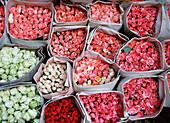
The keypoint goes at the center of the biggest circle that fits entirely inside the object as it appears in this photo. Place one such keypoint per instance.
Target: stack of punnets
(84, 61)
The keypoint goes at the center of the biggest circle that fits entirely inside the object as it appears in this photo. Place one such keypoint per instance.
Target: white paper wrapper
(151, 72)
(29, 75)
(88, 119)
(79, 23)
(115, 26)
(167, 91)
(158, 24)
(161, 92)
(68, 80)
(104, 87)
(24, 84)
(165, 23)
(65, 28)
(106, 30)
(42, 120)
(166, 66)
(30, 43)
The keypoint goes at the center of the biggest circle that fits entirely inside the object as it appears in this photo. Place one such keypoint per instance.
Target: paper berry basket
(92, 76)
(23, 99)
(141, 56)
(68, 43)
(56, 85)
(65, 10)
(7, 61)
(67, 115)
(39, 29)
(144, 96)
(117, 21)
(99, 40)
(143, 29)
(101, 99)
(166, 47)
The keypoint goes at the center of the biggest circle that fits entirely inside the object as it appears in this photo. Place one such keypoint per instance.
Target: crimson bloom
(2, 20)
(167, 52)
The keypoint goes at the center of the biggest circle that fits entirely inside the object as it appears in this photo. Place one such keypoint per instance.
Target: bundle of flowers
(103, 107)
(139, 55)
(105, 12)
(68, 43)
(168, 80)
(141, 96)
(66, 13)
(26, 22)
(142, 20)
(53, 78)
(105, 44)
(62, 111)
(2, 20)
(167, 52)
(19, 104)
(16, 62)
(90, 72)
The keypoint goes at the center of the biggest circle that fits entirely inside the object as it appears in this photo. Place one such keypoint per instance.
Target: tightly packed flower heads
(139, 55)
(105, 44)
(66, 13)
(169, 14)
(16, 62)
(68, 43)
(167, 52)
(62, 111)
(53, 78)
(141, 96)
(168, 80)
(19, 104)
(103, 107)
(105, 12)
(89, 72)
(2, 20)
(29, 22)
(142, 20)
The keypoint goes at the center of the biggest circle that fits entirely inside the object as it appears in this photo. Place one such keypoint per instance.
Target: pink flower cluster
(105, 44)
(68, 43)
(168, 80)
(103, 107)
(89, 72)
(66, 13)
(29, 22)
(142, 20)
(2, 21)
(139, 55)
(141, 96)
(167, 52)
(105, 12)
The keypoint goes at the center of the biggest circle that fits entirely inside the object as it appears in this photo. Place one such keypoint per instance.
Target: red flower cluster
(141, 96)
(29, 22)
(142, 20)
(105, 44)
(168, 80)
(167, 52)
(103, 107)
(62, 111)
(139, 55)
(169, 14)
(90, 72)
(2, 21)
(68, 43)
(105, 12)
(66, 13)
